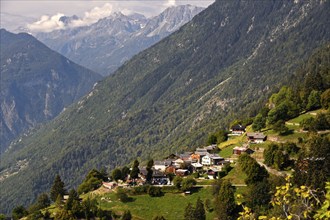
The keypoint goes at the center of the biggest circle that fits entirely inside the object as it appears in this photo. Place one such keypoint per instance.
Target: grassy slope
(171, 205)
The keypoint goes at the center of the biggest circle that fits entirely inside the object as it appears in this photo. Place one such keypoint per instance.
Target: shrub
(155, 191)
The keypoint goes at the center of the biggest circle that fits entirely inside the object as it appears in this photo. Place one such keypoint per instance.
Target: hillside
(220, 66)
(171, 202)
(110, 42)
(36, 84)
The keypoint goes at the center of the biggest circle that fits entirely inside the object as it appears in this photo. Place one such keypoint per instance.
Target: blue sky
(43, 14)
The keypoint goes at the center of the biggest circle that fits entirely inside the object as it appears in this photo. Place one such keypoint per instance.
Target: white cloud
(47, 23)
(89, 11)
(93, 15)
(170, 3)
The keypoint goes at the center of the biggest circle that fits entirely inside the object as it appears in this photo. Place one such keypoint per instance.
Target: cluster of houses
(253, 137)
(205, 160)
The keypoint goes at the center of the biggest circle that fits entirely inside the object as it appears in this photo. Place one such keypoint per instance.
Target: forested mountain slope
(36, 84)
(220, 66)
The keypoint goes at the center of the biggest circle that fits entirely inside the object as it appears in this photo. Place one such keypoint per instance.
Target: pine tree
(57, 188)
(135, 170)
(225, 201)
(149, 170)
(200, 210)
(73, 196)
(189, 212)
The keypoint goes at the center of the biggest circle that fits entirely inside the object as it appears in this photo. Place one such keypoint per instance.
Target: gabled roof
(238, 127)
(202, 152)
(256, 135)
(197, 165)
(168, 162)
(215, 157)
(143, 171)
(158, 173)
(181, 170)
(178, 161)
(185, 154)
(159, 163)
(211, 147)
(198, 149)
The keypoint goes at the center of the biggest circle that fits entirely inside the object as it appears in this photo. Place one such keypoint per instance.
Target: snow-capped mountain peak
(114, 39)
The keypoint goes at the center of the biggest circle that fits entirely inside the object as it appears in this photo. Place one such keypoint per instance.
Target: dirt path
(271, 170)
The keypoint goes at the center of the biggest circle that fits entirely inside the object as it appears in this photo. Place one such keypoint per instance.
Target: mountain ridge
(36, 84)
(113, 40)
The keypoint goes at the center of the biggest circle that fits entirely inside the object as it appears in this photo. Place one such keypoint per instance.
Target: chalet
(109, 185)
(256, 138)
(169, 162)
(159, 178)
(159, 165)
(197, 166)
(143, 172)
(213, 173)
(211, 148)
(182, 172)
(237, 130)
(170, 169)
(185, 156)
(244, 149)
(212, 159)
(201, 152)
(178, 163)
(195, 158)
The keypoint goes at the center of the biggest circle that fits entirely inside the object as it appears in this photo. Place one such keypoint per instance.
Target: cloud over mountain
(48, 23)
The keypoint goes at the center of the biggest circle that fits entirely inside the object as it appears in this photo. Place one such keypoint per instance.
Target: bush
(155, 191)
(138, 190)
(122, 196)
(188, 183)
(170, 189)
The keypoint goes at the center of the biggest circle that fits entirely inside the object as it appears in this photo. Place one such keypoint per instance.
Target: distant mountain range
(223, 65)
(110, 42)
(36, 84)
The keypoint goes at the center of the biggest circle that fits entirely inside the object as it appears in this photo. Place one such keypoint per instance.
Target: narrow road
(271, 170)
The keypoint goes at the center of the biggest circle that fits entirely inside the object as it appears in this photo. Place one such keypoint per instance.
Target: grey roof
(238, 127)
(215, 157)
(256, 135)
(211, 147)
(158, 162)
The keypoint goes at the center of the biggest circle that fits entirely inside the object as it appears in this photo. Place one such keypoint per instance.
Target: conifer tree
(200, 210)
(57, 188)
(73, 196)
(225, 201)
(149, 170)
(135, 170)
(189, 212)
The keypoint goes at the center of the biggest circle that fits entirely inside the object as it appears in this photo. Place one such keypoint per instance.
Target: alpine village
(226, 116)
